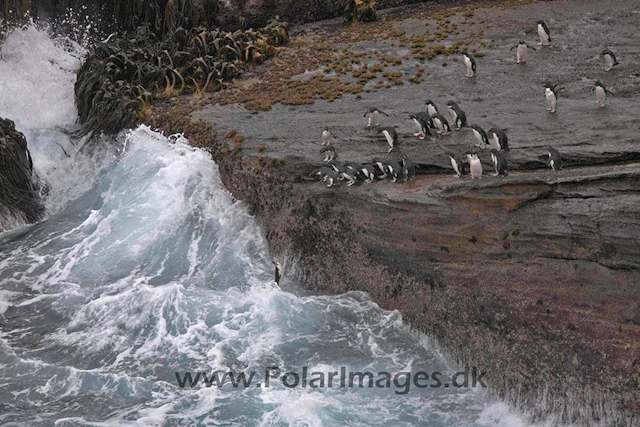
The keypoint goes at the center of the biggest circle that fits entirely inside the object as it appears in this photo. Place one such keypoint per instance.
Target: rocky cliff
(20, 200)
(534, 277)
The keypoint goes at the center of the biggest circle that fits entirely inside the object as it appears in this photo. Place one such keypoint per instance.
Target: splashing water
(146, 266)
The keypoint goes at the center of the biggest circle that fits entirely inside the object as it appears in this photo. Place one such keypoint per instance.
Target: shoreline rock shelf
(535, 277)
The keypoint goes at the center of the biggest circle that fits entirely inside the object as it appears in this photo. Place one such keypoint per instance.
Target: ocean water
(146, 267)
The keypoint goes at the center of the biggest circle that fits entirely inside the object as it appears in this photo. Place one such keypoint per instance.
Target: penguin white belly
(544, 37)
(439, 125)
(608, 60)
(453, 115)
(389, 138)
(455, 165)
(521, 53)
(374, 118)
(495, 143)
(552, 165)
(551, 101)
(476, 169)
(494, 159)
(418, 126)
(326, 137)
(467, 63)
(600, 95)
(478, 137)
(431, 110)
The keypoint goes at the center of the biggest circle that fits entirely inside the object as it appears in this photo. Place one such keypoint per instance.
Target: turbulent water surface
(146, 266)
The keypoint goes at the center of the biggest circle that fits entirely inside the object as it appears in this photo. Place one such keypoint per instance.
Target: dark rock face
(19, 185)
(228, 14)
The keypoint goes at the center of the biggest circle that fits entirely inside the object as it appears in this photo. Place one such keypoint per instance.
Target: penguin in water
(327, 136)
(374, 116)
(481, 136)
(521, 52)
(423, 123)
(278, 271)
(555, 161)
(610, 60)
(456, 163)
(391, 135)
(431, 107)
(601, 93)
(498, 139)
(441, 124)
(543, 33)
(551, 94)
(475, 165)
(457, 115)
(470, 64)
(329, 153)
(408, 169)
(499, 163)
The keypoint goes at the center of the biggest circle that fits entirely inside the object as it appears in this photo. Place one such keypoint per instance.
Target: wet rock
(20, 199)
(526, 255)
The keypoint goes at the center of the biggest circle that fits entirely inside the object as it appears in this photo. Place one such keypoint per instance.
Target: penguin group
(431, 124)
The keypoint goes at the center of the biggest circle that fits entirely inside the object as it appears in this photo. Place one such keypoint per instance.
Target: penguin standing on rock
(521, 52)
(498, 139)
(408, 169)
(369, 172)
(431, 107)
(601, 93)
(457, 115)
(543, 33)
(555, 161)
(551, 94)
(610, 60)
(381, 166)
(331, 178)
(278, 271)
(481, 136)
(391, 135)
(327, 136)
(374, 116)
(395, 170)
(345, 172)
(388, 168)
(441, 124)
(475, 165)
(329, 152)
(499, 162)
(321, 172)
(456, 163)
(422, 122)
(470, 64)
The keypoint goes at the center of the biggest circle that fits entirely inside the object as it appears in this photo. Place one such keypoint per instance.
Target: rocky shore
(533, 277)
(20, 187)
